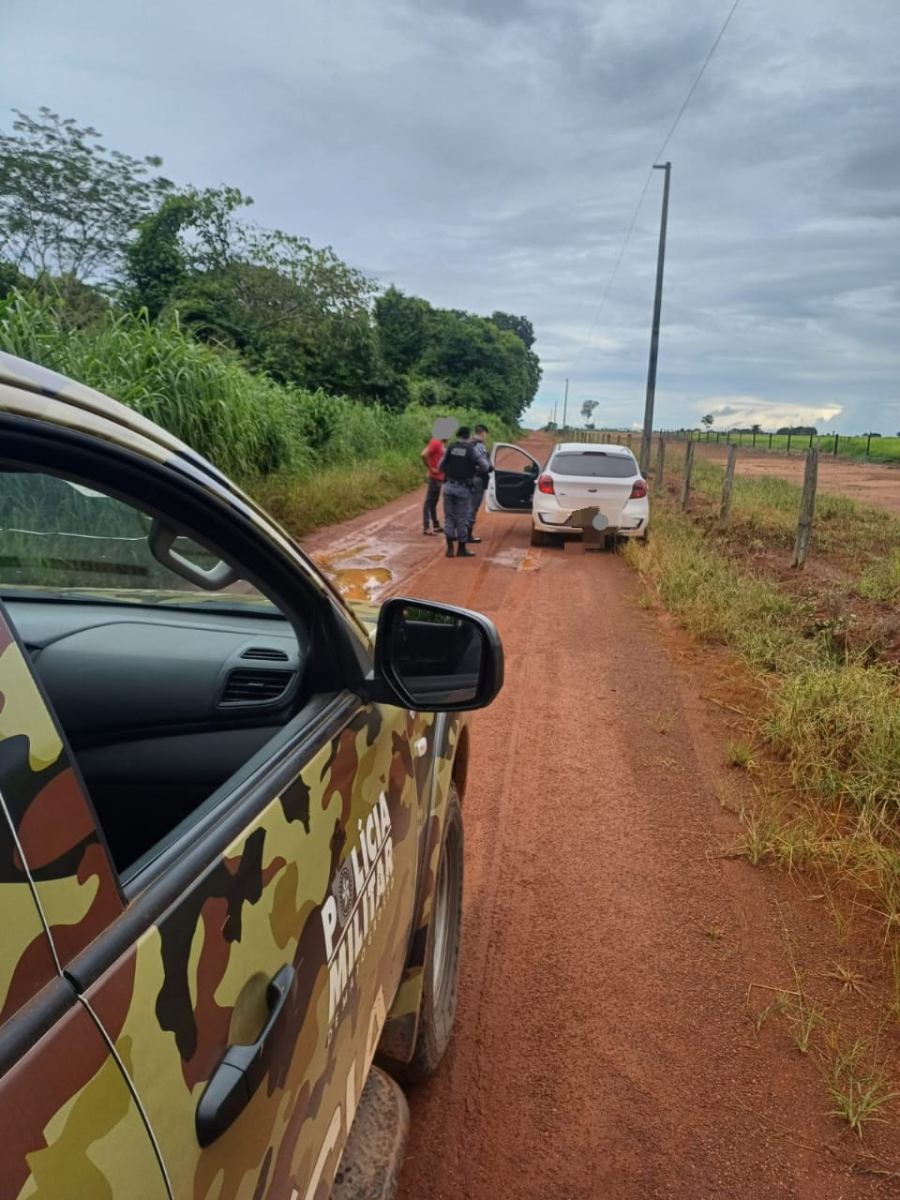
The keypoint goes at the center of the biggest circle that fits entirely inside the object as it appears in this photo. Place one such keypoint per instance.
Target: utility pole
(565, 405)
(654, 337)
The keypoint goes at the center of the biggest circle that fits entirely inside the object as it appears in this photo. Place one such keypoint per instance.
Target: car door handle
(243, 1068)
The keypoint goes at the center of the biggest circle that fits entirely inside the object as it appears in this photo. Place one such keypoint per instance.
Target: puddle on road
(517, 560)
(357, 577)
(352, 573)
(360, 583)
(329, 562)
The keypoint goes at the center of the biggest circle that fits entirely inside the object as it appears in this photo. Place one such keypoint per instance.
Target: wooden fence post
(807, 508)
(688, 466)
(659, 481)
(725, 511)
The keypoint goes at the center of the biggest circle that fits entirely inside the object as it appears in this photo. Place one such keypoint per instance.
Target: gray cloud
(489, 154)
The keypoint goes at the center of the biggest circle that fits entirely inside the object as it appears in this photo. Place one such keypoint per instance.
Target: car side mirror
(532, 469)
(435, 657)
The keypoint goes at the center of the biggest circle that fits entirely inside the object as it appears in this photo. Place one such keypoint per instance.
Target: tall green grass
(278, 442)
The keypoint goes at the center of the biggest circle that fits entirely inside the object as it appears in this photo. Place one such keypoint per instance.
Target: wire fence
(868, 447)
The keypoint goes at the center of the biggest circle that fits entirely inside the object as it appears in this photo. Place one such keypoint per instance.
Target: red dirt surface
(605, 1045)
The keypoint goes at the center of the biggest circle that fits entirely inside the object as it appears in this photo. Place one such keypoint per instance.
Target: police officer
(479, 445)
(460, 466)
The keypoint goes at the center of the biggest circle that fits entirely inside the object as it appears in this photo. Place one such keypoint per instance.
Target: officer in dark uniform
(460, 466)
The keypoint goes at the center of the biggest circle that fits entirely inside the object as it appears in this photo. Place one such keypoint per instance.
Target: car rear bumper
(625, 526)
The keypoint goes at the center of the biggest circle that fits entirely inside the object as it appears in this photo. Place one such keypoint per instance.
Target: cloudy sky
(490, 155)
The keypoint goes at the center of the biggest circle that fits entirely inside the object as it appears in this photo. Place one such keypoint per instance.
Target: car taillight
(545, 485)
(639, 491)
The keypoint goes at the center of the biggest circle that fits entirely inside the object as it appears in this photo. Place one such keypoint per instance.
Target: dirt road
(603, 1047)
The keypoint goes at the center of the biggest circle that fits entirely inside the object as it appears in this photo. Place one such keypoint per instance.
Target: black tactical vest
(459, 462)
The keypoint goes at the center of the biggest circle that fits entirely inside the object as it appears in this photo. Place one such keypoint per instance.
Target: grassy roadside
(821, 652)
(337, 493)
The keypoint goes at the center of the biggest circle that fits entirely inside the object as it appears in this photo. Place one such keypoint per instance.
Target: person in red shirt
(431, 456)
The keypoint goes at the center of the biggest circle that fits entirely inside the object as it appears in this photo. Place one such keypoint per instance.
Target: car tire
(538, 537)
(438, 1009)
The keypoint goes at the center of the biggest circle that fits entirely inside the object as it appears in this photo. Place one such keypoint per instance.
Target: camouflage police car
(231, 842)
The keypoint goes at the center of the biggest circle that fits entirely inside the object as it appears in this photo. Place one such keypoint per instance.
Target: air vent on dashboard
(265, 654)
(255, 687)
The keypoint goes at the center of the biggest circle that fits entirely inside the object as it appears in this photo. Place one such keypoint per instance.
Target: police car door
(242, 967)
(70, 1128)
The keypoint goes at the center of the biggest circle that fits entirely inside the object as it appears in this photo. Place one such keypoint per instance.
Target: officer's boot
(462, 552)
(449, 548)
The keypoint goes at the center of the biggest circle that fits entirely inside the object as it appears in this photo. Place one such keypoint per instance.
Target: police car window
(62, 538)
(594, 464)
(165, 690)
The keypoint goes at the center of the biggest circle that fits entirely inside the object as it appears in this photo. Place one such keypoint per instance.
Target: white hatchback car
(577, 476)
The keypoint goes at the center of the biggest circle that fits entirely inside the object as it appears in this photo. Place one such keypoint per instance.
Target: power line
(659, 155)
(687, 98)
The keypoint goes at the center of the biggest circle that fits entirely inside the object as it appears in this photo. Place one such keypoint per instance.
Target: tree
(756, 428)
(403, 328)
(483, 366)
(520, 326)
(587, 411)
(293, 310)
(707, 420)
(155, 262)
(67, 204)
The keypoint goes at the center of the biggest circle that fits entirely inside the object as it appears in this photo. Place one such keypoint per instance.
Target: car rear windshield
(595, 463)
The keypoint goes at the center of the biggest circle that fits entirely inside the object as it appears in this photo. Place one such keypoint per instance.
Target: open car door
(512, 482)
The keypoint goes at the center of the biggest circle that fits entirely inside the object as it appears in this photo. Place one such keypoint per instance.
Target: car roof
(581, 447)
